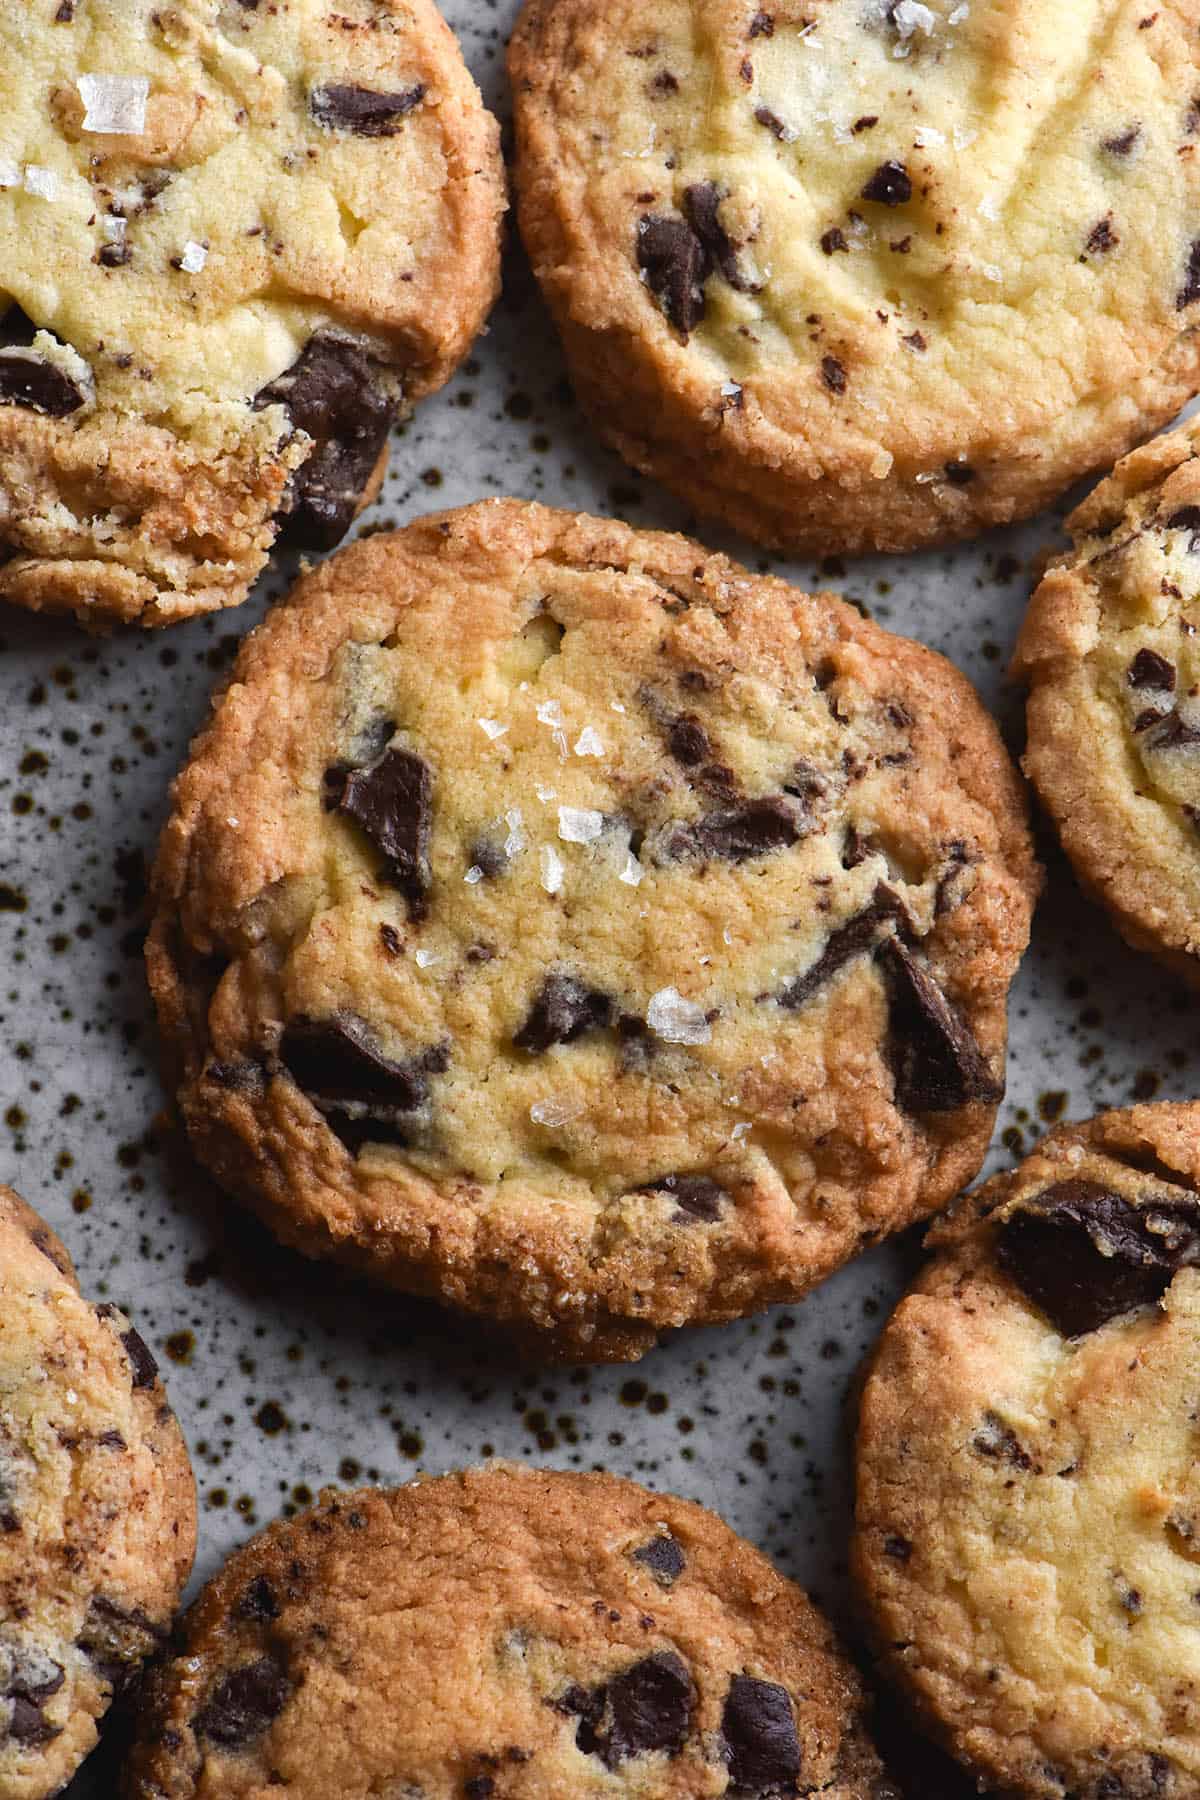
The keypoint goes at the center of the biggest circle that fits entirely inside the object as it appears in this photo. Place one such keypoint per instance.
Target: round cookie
(511, 1634)
(873, 274)
(1108, 650)
(1028, 1485)
(558, 920)
(97, 1509)
(236, 241)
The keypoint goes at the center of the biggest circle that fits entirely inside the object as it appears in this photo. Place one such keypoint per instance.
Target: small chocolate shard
(1173, 732)
(1101, 238)
(1122, 143)
(663, 1556)
(391, 800)
(688, 741)
(758, 1724)
(145, 1369)
(999, 1443)
(850, 940)
(1084, 1255)
(702, 209)
(346, 401)
(244, 1704)
(833, 375)
(1189, 293)
(338, 1059)
(935, 1061)
(258, 1602)
(1187, 518)
(564, 1010)
(755, 828)
(890, 185)
(674, 263)
(361, 110)
(772, 122)
(697, 1197)
(834, 240)
(29, 380)
(1150, 670)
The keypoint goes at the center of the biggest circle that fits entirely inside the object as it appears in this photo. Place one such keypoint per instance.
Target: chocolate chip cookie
(873, 273)
(509, 1634)
(97, 1509)
(558, 920)
(1108, 649)
(236, 241)
(1028, 1486)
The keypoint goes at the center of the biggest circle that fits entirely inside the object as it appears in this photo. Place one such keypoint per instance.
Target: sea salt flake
(491, 728)
(615, 705)
(193, 257)
(588, 743)
(989, 207)
(676, 1020)
(560, 744)
(114, 229)
(516, 836)
(579, 824)
(474, 875)
(909, 16)
(633, 871)
(10, 172)
(545, 792)
(726, 935)
(42, 182)
(741, 1130)
(114, 103)
(929, 137)
(993, 271)
(549, 712)
(730, 390)
(552, 869)
(425, 959)
(958, 15)
(554, 1112)
(963, 139)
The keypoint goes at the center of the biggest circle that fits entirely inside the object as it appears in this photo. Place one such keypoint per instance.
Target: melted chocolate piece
(1084, 1255)
(697, 1197)
(999, 1443)
(958, 474)
(118, 1639)
(362, 110)
(564, 1010)
(259, 1601)
(663, 1556)
(761, 1745)
(688, 741)
(346, 401)
(243, 1704)
(701, 205)
(28, 1726)
(32, 381)
(935, 1061)
(1187, 518)
(1172, 733)
(647, 1708)
(1150, 670)
(752, 829)
(850, 940)
(890, 185)
(1189, 293)
(338, 1060)
(392, 802)
(675, 266)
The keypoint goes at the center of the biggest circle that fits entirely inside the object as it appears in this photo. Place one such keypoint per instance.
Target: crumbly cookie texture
(870, 273)
(1109, 651)
(236, 240)
(506, 1634)
(559, 920)
(1028, 1489)
(97, 1509)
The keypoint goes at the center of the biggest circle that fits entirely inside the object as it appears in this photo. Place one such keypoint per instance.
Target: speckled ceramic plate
(287, 1377)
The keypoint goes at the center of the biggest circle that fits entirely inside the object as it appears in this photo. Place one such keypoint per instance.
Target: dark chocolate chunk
(391, 800)
(1102, 237)
(649, 1708)
(1000, 1443)
(850, 940)
(833, 374)
(890, 185)
(675, 266)
(958, 474)
(834, 239)
(1172, 733)
(1151, 716)
(935, 1061)
(701, 204)
(753, 829)
(337, 1059)
(346, 401)
(145, 1369)
(1084, 1255)
(115, 256)
(1150, 670)
(688, 741)
(696, 1196)
(32, 1683)
(564, 1010)
(28, 1725)
(362, 110)
(243, 1704)
(32, 381)
(1187, 518)
(663, 1556)
(762, 1749)
(1189, 293)
(259, 1601)
(118, 1639)
(1122, 143)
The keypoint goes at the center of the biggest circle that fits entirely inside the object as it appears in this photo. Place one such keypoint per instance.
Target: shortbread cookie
(236, 240)
(1109, 651)
(510, 1634)
(97, 1509)
(1028, 1485)
(867, 273)
(560, 921)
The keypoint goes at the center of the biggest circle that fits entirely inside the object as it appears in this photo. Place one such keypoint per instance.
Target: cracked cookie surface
(869, 273)
(556, 919)
(504, 1635)
(1109, 651)
(236, 241)
(97, 1509)
(1028, 1489)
